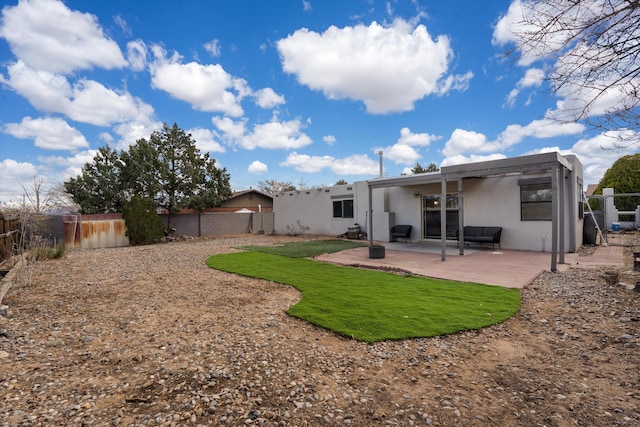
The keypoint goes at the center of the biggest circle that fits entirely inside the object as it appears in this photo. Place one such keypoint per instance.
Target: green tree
(167, 170)
(419, 169)
(624, 177)
(341, 182)
(99, 189)
(171, 170)
(143, 223)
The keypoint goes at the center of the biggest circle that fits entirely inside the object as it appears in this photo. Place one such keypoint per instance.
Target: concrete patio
(508, 268)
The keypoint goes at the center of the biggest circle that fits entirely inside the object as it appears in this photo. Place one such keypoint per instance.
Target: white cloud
(598, 153)
(306, 163)
(137, 55)
(122, 23)
(267, 98)
(132, 131)
(533, 77)
(416, 139)
(400, 153)
(91, 102)
(465, 141)
(257, 167)
(404, 151)
(48, 133)
(457, 82)
(329, 139)
(473, 158)
(306, 6)
(357, 164)
(231, 130)
(274, 135)
(213, 47)
(205, 87)
(106, 137)
(205, 140)
(354, 63)
(540, 129)
(47, 35)
(87, 101)
(503, 31)
(462, 141)
(62, 168)
(12, 173)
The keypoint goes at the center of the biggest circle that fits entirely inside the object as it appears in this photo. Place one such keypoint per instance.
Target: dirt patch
(151, 336)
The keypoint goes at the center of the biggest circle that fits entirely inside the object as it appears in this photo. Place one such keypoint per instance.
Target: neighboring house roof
(591, 188)
(243, 192)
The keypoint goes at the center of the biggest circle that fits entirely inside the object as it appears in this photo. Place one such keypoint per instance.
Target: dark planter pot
(376, 251)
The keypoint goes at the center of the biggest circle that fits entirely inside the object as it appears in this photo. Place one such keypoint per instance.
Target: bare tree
(36, 197)
(272, 187)
(595, 46)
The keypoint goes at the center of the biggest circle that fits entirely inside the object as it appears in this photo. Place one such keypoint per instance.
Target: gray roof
(531, 163)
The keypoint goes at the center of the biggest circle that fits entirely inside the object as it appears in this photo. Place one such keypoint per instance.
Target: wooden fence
(9, 233)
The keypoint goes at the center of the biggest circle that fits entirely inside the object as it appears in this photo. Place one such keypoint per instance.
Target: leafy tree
(624, 177)
(143, 223)
(167, 170)
(170, 169)
(595, 47)
(419, 169)
(272, 187)
(341, 182)
(99, 189)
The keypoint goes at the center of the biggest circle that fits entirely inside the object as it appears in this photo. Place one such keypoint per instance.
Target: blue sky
(299, 91)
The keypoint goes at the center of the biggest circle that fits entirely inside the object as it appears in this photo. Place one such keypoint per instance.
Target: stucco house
(535, 199)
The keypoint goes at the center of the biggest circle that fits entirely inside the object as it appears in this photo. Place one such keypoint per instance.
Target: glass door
(431, 216)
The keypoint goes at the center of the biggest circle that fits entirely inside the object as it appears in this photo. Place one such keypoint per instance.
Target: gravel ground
(150, 336)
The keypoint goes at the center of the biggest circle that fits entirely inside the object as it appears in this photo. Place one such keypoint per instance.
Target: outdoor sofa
(481, 235)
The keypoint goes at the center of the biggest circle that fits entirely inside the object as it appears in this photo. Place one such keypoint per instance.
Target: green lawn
(375, 306)
(308, 248)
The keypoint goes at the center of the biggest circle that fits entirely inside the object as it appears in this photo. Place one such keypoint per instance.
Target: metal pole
(554, 217)
(460, 217)
(561, 215)
(443, 220)
(370, 231)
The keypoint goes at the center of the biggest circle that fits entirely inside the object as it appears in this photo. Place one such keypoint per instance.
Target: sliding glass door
(431, 216)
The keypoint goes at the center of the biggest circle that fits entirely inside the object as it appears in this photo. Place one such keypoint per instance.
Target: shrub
(143, 223)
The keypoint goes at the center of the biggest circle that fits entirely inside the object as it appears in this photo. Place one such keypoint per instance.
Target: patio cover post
(460, 217)
(443, 219)
(561, 216)
(554, 217)
(370, 216)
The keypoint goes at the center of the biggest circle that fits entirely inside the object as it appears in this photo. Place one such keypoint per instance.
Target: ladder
(586, 201)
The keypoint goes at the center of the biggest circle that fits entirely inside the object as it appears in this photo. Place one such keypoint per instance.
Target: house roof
(251, 190)
(530, 163)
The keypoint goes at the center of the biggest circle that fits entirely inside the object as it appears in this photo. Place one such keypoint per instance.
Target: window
(581, 201)
(535, 201)
(343, 209)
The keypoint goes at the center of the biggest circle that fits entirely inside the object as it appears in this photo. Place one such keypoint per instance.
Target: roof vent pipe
(381, 173)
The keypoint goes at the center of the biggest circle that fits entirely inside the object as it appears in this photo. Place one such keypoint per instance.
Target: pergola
(552, 163)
